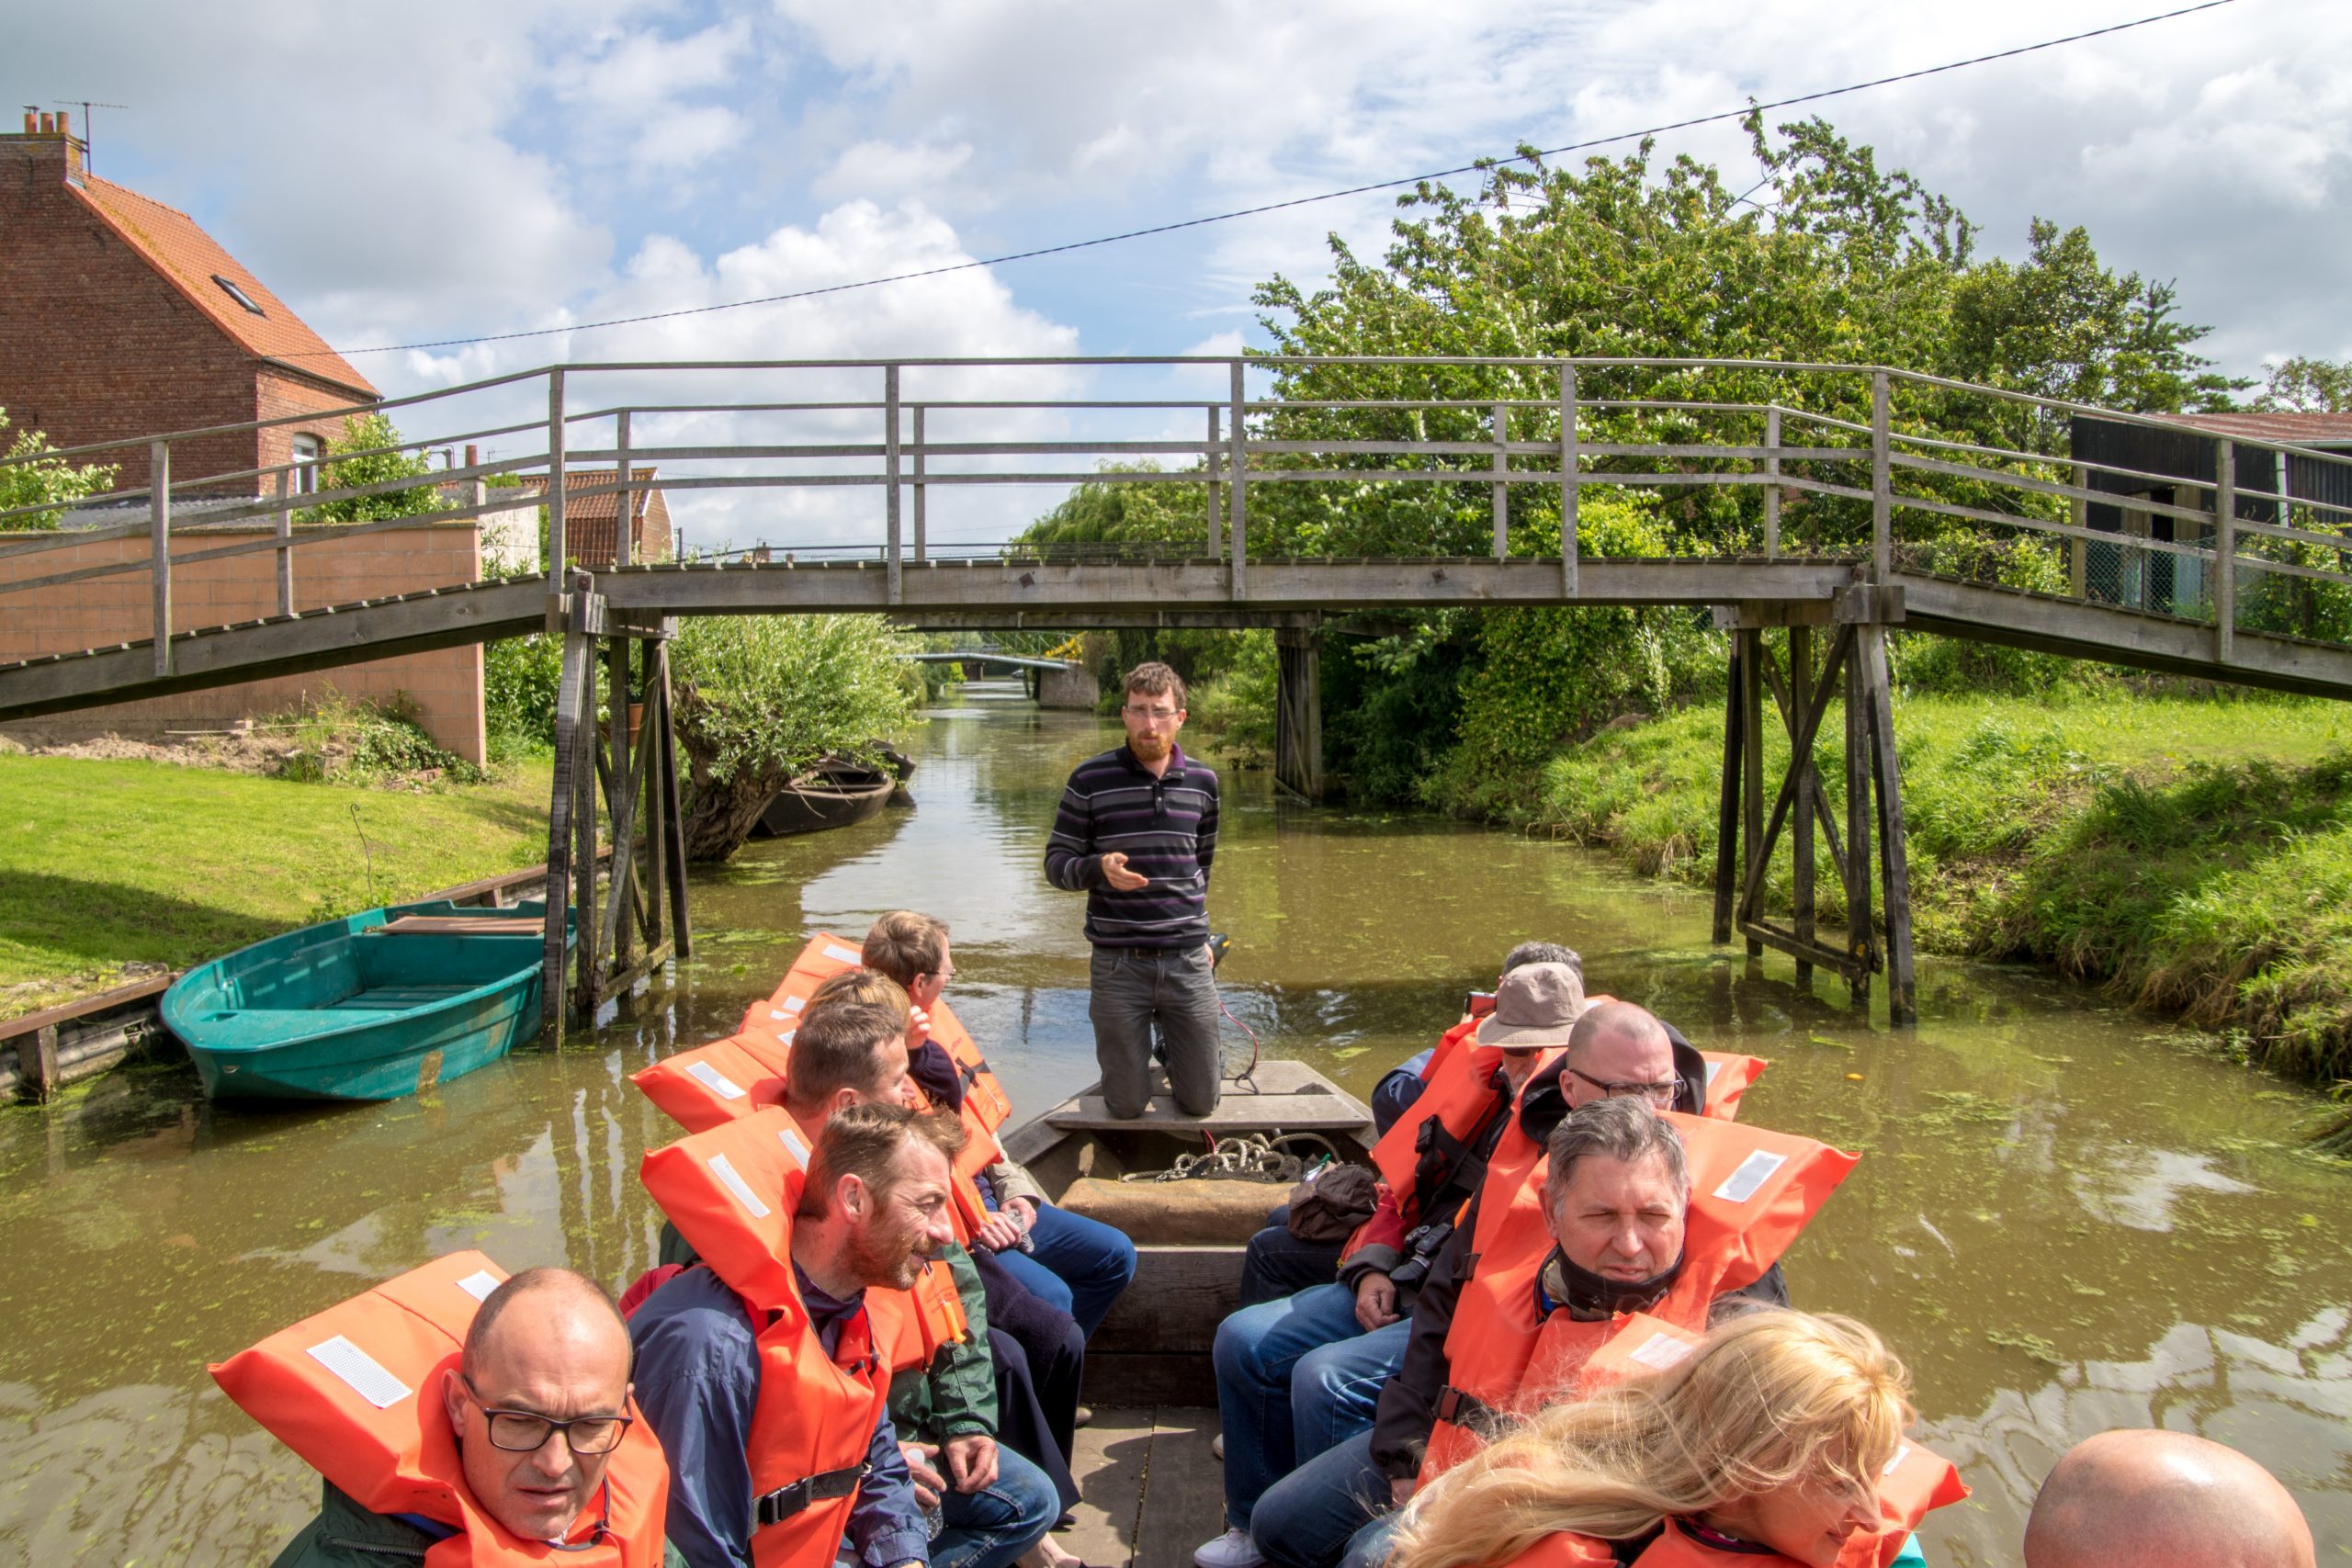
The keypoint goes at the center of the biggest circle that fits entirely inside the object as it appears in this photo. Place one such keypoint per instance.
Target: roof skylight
(239, 295)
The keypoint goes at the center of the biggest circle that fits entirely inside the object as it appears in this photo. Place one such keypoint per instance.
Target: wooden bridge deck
(1013, 592)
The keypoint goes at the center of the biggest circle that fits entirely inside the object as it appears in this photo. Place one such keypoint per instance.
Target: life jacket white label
(1901, 1452)
(479, 1284)
(723, 1168)
(794, 1004)
(368, 1376)
(836, 952)
(711, 1079)
(1753, 1172)
(1713, 1068)
(794, 1147)
(1660, 1351)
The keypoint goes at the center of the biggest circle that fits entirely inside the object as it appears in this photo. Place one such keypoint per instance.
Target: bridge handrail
(1233, 460)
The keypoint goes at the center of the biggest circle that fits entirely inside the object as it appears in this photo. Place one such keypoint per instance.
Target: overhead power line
(1298, 201)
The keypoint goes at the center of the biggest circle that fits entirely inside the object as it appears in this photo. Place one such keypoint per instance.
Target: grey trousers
(1133, 989)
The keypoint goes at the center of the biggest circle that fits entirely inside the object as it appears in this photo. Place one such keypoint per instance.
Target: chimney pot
(48, 124)
(65, 123)
(32, 119)
(473, 456)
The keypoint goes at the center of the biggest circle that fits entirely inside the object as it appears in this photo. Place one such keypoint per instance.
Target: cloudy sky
(444, 168)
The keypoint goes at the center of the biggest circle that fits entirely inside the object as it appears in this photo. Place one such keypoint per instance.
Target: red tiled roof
(2290, 429)
(589, 535)
(187, 256)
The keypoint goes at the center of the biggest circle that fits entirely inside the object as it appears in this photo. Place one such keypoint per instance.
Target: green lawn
(105, 864)
(2193, 855)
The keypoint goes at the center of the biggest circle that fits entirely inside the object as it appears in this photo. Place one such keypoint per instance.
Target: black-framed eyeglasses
(525, 1431)
(1660, 1094)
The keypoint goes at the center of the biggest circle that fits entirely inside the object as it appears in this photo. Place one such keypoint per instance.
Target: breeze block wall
(330, 567)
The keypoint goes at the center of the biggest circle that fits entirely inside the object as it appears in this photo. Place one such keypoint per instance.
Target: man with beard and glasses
(874, 1207)
(1135, 833)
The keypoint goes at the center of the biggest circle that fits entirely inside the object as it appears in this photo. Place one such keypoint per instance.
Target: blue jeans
(989, 1527)
(1277, 1263)
(1293, 1377)
(1079, 1265)
(1311, 1517)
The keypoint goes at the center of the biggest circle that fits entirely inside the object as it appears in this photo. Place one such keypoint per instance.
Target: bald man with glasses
(1135, 833)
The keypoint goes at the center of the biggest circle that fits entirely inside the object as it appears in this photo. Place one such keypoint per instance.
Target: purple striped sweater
(1167, 829)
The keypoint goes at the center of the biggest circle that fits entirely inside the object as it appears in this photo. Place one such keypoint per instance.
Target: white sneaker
(1231, 1550)
(1216, 1445)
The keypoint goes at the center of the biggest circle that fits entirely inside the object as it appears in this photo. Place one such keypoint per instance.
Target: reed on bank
(2192, 856)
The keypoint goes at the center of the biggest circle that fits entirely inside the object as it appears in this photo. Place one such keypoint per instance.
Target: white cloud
(883, 169)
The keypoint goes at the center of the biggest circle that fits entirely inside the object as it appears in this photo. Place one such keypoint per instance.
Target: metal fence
(1361, 456)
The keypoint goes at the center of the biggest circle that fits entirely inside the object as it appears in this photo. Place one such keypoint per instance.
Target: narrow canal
(2065, 1222)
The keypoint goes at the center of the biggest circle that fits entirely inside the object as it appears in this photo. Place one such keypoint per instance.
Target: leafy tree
(369, 452)
(31, 479)
(2307, 386)
(1102, 513)
(762, 699)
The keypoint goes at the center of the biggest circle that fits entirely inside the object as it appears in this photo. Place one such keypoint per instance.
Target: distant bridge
(2213, 555)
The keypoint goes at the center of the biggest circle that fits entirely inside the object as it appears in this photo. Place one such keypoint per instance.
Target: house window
(239, 295)
(306, 454)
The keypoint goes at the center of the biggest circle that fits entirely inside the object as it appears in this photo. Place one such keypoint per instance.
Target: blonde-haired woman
(1770, 1443)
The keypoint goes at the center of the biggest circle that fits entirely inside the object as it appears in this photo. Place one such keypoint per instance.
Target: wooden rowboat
(831, 794)
(374, 1005)
(1153, 1348)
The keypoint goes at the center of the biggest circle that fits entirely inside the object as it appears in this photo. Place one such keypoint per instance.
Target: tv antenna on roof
(89, 137)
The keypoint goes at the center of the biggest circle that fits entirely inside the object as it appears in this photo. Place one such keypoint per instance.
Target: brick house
(121, 318)
(589, 532)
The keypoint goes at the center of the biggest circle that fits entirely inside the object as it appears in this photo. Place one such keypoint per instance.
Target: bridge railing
(1243, 459)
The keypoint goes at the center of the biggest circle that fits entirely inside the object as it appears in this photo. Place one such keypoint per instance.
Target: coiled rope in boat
(1241, 1156)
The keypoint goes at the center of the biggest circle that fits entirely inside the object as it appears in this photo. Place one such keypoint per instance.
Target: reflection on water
(2062, 1226)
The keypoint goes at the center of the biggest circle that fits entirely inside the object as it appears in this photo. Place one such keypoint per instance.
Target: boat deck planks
(1290, 1095)
(1150, 1489)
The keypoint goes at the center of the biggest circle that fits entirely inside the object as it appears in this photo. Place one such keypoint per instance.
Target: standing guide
(1136, 832)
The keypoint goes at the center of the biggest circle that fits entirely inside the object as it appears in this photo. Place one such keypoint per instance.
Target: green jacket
(955, 1395)
(345, 1535)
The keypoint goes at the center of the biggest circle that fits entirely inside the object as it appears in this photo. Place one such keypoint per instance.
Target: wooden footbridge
(1809, 507)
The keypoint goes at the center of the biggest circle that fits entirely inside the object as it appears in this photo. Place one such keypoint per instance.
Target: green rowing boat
(373, 1006)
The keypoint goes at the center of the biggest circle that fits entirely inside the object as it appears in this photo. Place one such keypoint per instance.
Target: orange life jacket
(356, 1392)
(1439, 1132)
(715, 1083)
(1752, 1190)
(986, 1107)
(730, 1191)
(1915, 1483)
(1728, 1077)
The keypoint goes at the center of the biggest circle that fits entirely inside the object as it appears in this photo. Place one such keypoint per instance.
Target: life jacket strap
(1462, 1408)
(786, 1501)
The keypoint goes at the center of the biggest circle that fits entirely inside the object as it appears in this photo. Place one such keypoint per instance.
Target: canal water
(2064, 1221)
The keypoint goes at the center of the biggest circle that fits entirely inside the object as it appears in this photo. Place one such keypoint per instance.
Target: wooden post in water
(1853, 660)
(562, 797)
(1801, 892)
(1298, 709)
(1727, 863)
(1751, 721)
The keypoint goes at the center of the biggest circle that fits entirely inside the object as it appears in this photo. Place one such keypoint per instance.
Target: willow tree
(762, 699)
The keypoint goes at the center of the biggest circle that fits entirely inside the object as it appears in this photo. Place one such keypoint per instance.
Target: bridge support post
(1854, 662)
(1298, 710)
(639, 921)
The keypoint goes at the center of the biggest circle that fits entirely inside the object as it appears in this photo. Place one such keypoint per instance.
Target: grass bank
(2192, 856)
(108, 868)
